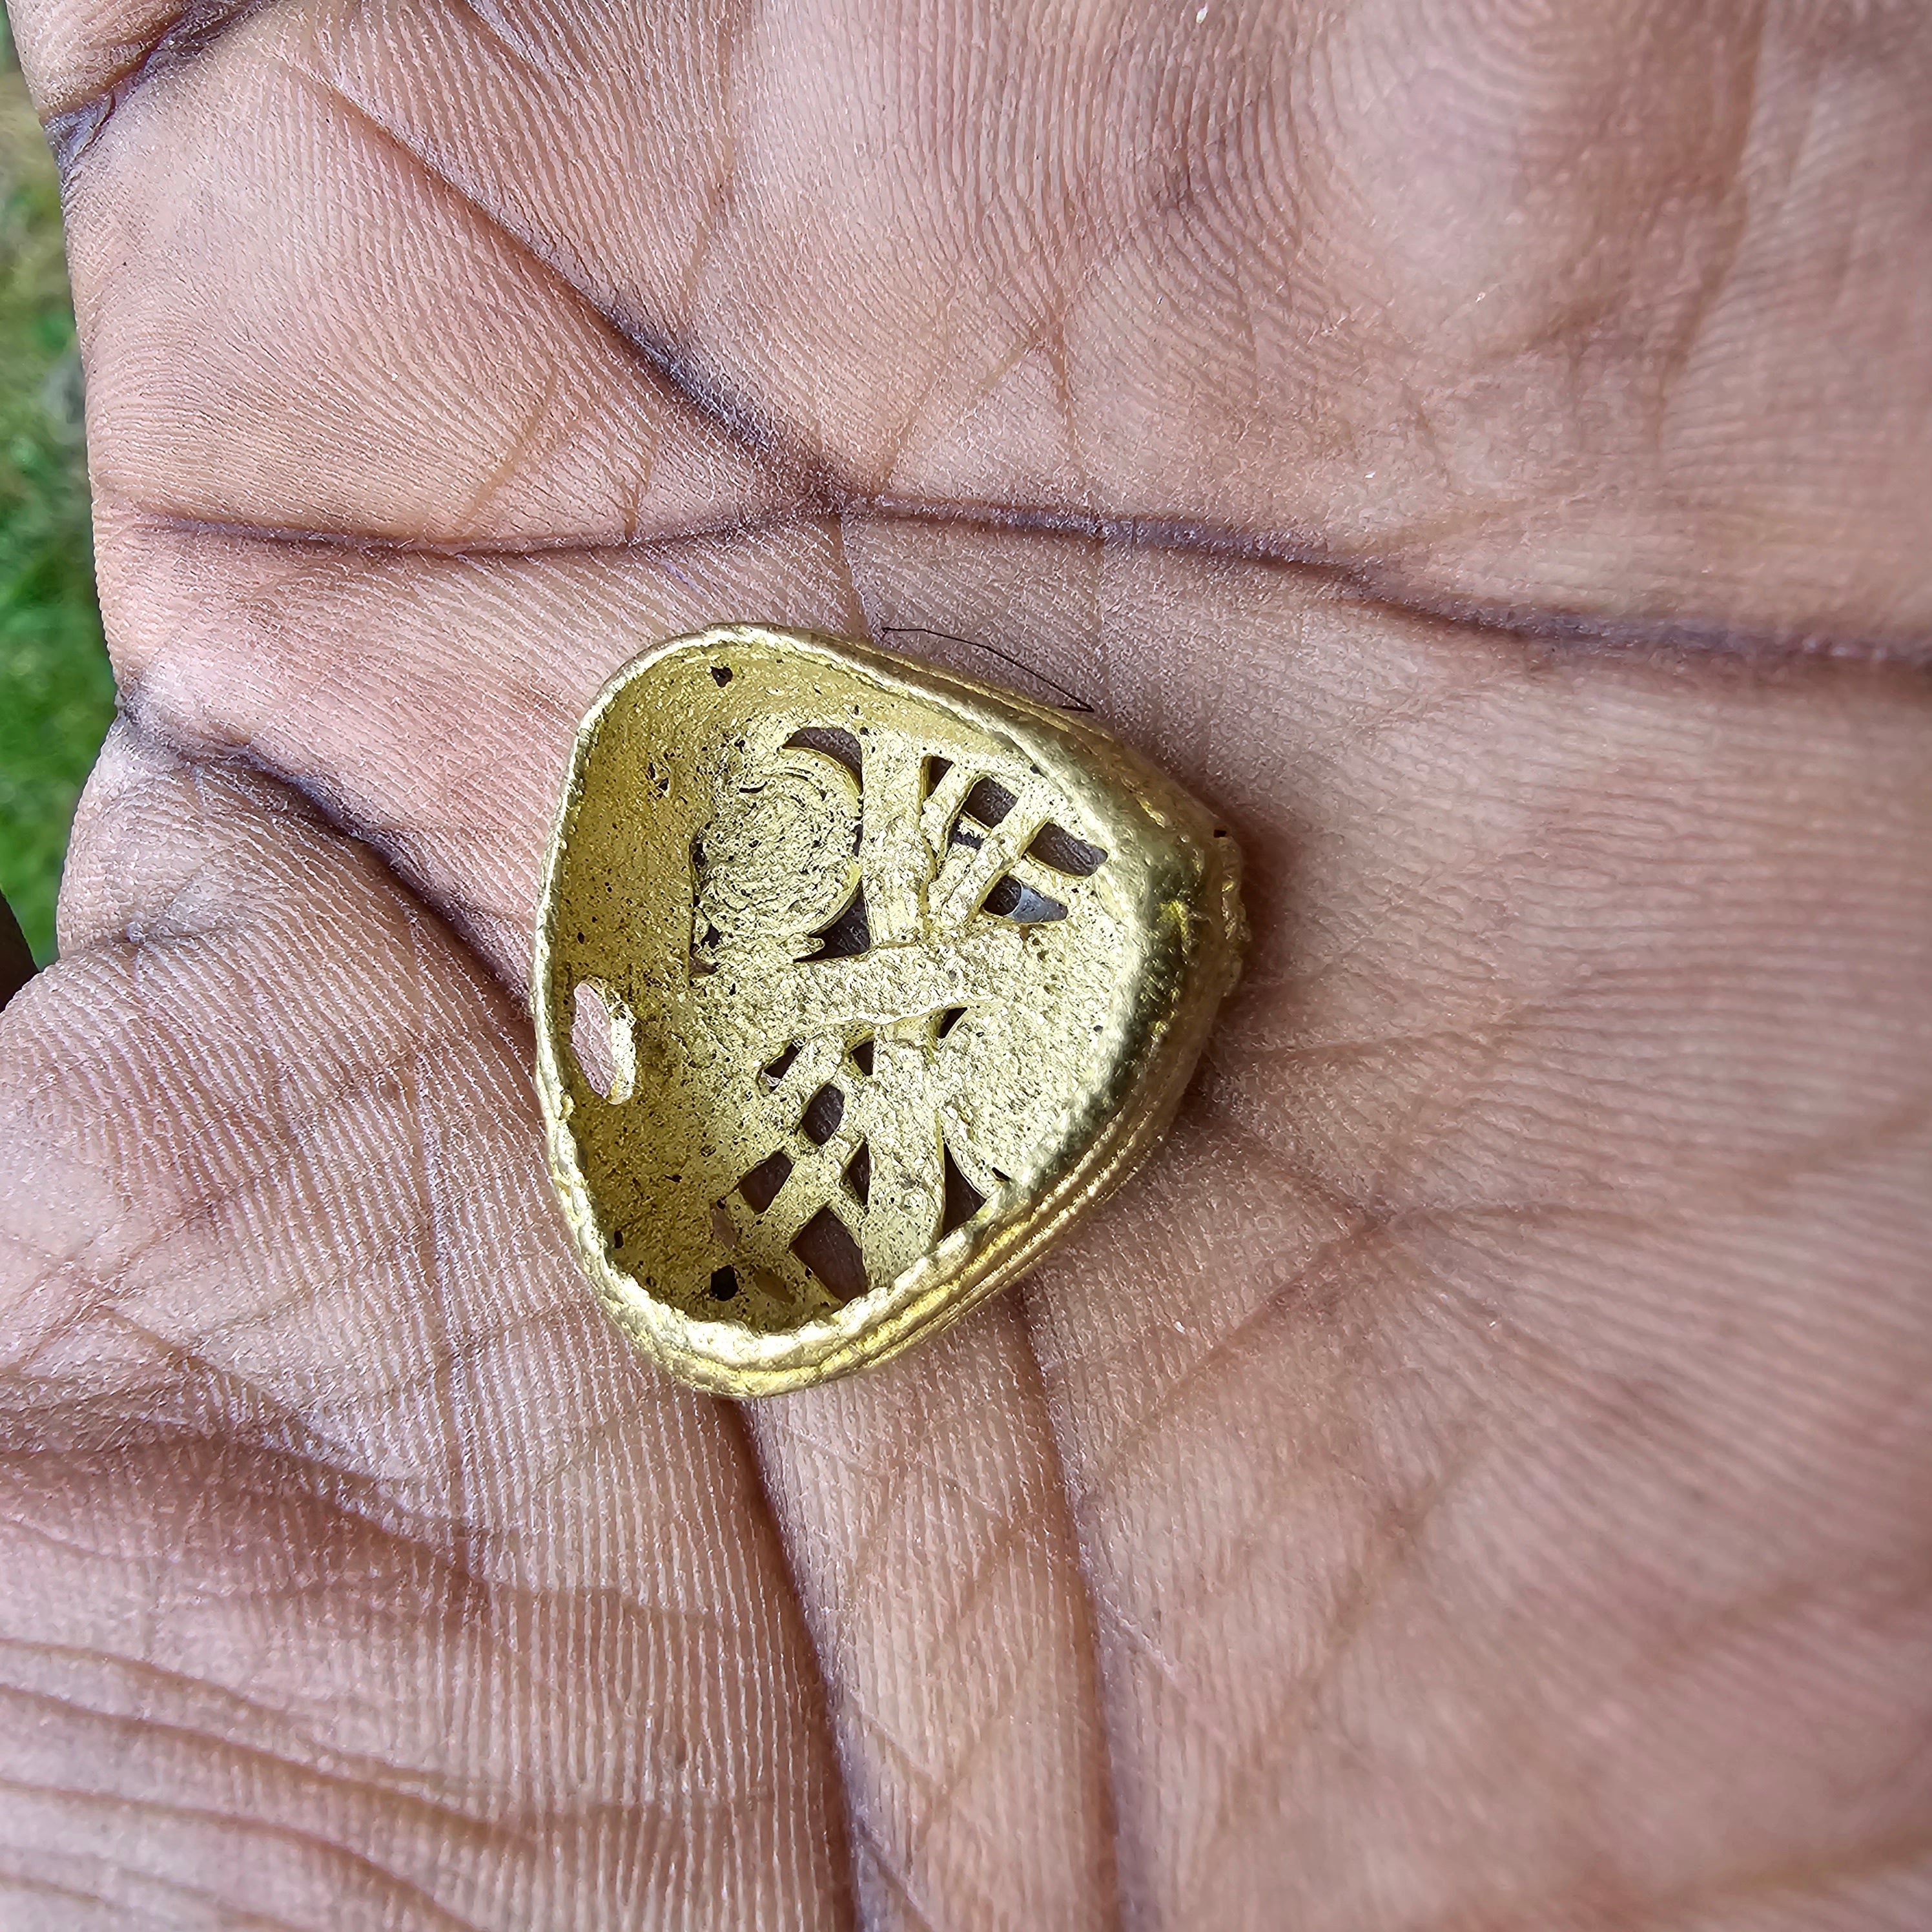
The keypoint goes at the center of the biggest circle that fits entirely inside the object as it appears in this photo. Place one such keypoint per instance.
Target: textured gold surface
(856, 983)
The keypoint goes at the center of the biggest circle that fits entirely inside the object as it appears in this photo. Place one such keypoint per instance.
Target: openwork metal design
(856, 983)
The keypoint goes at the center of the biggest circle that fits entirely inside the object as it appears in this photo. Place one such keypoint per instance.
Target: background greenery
(56, 692)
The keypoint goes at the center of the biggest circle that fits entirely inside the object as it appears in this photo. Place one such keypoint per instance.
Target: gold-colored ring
(857, 983)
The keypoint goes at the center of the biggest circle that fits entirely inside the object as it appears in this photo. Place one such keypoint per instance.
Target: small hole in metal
(603, 1040)
(1054, 845)
(761, 1186)
(989, 801)
(848, 935)
(963, 1200)
(830, 741)
(720, 676)
(823, 1113)
(1010, 899)
(825, 1246)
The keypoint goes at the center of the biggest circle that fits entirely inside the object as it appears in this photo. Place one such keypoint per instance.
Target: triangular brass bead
(857, 983)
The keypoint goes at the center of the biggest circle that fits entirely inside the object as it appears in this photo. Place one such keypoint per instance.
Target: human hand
(1475, 1475)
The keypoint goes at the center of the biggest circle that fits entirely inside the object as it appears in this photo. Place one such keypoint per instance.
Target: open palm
(1476, 1476)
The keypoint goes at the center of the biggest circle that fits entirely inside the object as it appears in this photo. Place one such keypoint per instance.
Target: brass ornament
(857, 983)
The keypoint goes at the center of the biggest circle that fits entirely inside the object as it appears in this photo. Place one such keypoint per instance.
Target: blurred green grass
(56, 692)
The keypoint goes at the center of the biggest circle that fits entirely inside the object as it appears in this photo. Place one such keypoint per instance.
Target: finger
(355, 1572)
(940, 1575)
(1603, 320)
(390, 360)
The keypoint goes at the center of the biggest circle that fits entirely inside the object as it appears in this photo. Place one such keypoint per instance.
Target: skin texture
(1476, 1477)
